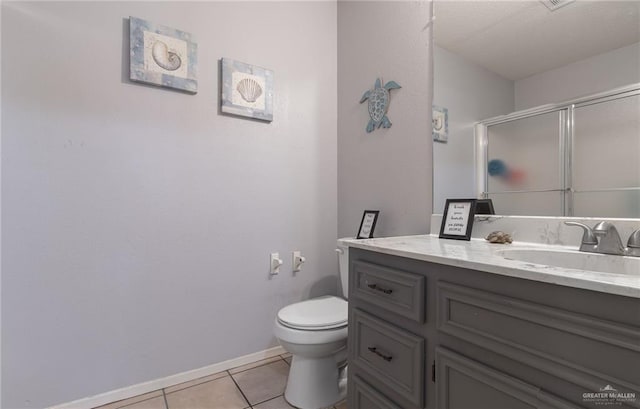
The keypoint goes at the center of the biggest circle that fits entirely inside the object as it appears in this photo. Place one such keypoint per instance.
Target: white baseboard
(146, 387)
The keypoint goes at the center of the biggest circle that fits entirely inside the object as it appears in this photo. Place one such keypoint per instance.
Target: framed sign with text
(457, 220)
(368, 224)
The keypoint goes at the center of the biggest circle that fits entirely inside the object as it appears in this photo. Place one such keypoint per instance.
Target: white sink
(576, 260)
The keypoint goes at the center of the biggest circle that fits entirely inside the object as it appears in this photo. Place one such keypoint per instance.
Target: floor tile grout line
(164, 395)
(267, 400)
(240, 389)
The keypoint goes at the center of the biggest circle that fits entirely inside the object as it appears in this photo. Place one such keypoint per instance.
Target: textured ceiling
(517, 39)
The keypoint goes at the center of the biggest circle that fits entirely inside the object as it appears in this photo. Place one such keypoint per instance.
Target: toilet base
(315, 383)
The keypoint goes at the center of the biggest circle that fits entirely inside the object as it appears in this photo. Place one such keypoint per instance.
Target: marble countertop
(478, 254)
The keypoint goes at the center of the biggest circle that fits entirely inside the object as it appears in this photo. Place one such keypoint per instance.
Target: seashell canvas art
(247, 90)
(165, 58)
(162, 56)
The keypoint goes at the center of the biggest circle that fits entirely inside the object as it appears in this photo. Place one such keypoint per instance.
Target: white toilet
(315, 333)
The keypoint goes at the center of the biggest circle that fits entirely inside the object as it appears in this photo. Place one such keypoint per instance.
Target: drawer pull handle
(376, 287)
(380, 354)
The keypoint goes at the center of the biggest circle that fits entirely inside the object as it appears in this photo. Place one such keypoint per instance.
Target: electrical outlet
(297, 260)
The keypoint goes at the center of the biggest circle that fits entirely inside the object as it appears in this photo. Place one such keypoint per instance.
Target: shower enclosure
(578, 158)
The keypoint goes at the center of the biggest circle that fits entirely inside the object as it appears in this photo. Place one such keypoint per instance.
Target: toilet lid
(318, 313)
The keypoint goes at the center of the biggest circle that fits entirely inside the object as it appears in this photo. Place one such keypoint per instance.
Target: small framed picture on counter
(368, 224)
(457, 220)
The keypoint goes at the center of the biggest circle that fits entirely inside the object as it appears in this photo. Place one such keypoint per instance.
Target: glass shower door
(606, 148)
(525, 174)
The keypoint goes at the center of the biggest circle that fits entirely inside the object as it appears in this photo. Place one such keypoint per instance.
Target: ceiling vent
(554, 5)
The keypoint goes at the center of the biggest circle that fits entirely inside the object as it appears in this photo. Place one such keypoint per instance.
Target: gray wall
(596, 74)
(388, 169)
(470, 93)
(138, 221)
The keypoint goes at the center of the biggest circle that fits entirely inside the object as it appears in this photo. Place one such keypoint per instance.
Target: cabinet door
(388, 357)
(366, 397)
(463, 383)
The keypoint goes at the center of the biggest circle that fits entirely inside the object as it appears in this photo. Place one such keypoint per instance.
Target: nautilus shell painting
(247, 90)
(162, 56)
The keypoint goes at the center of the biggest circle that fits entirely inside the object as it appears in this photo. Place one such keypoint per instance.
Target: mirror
(493, 58)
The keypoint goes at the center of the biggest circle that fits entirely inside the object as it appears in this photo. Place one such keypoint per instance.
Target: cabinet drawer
(366, 397)
(391, 358)
(558, 342)
(463, 383)
(400, 292)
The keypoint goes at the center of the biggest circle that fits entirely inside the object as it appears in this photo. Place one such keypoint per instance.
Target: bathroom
(138, 221)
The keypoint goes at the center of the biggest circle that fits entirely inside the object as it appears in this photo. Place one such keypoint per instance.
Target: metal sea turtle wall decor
(378, 104)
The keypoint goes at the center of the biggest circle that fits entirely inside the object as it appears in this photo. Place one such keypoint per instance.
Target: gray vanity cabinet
(388, 356)
(426, 335)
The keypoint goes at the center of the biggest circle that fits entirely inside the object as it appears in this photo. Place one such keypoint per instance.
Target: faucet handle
(633, 244)
(604, 228)
(588, 238)
(634, 240)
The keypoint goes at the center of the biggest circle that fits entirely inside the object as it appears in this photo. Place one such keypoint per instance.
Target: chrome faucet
(604, 238)
(608, 239)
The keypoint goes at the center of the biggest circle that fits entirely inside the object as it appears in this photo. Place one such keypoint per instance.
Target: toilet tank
(343, 260)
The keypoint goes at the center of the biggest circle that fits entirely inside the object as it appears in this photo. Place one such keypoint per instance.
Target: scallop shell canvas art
(162, 56)
(250, 89)
(247, 90)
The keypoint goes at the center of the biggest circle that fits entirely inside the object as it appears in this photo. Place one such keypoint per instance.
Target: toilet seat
(317, 314)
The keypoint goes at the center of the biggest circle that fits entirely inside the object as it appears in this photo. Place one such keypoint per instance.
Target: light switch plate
(275, 263)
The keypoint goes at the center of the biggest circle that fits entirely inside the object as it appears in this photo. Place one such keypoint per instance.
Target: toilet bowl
(315, 333)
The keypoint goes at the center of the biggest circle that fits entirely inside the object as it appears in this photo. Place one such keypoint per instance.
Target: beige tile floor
(259, 385)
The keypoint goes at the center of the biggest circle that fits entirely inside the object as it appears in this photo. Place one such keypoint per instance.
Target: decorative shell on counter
(499, 237)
